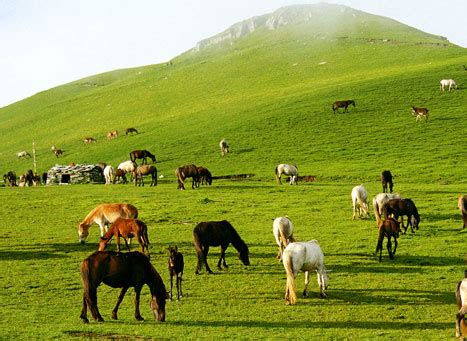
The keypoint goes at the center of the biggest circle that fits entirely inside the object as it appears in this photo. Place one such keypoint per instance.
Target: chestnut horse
(122, 270)
(217, 233)
(462, 204)
(103, 215)
(142, 154)
(387, 228)
(400, 208)
(342, 104)
(145, 170)
(175, 265)
(187, 171)
(126, 228)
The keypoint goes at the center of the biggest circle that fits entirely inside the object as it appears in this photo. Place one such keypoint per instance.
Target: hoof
(139, 318)
(114, 316)
(84, 319)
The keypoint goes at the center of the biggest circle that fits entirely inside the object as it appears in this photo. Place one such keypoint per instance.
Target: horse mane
(237, 242)
(89, 218)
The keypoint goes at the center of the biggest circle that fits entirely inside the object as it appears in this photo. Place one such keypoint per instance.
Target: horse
(401, 207)
(204, 176)
(461, 300)
(359, 201)
(44, 178)
(175, 265)
(10, 179)
(420, 113)
(462, 204)
(389, 228)
(224, 147)
(131, 131)
(58, 152)
(145, 170)
(217, 233)
(126, 228)
(287, 169)
(142, 154)
(29, 177)
(450, 83)
(187, 171)
(89, 140)
(122, 270)
(380, 199)
(282, 229)
(128, 167)
(109, 174)
(342, 104)
(103, 215)
(306, 257)
(22, 154)
(112, 134)
(386, 179)
(119, 173)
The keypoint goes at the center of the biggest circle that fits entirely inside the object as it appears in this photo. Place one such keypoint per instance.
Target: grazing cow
(386, 179)
(462, 204)
(360, 201)
(175, 265)
(224, 147)
(131, 131)
(420, 113)
(89, 140)
(450, 83)
(282, 228)
(23, 154)
(112, 134)
(342, 104)
(10, 179)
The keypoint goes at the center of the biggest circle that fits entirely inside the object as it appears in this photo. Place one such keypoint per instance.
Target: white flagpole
(34, 155)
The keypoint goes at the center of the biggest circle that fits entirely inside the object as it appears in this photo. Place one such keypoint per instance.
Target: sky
(46, 43)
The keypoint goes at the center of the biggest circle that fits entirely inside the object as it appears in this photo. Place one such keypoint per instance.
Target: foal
(389, 228)
(175, 265)
(126, 228)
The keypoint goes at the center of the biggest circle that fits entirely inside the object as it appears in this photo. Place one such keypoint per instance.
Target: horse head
(243, 255)
(158, 307)
(83, 232)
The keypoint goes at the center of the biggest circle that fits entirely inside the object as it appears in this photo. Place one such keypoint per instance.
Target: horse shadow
(246, 150)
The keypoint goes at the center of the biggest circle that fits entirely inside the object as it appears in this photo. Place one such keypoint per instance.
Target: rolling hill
(267, 85)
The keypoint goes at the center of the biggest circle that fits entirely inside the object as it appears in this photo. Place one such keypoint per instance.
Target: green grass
(269, 94)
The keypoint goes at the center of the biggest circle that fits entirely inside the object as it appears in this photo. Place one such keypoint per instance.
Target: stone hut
(77, 174)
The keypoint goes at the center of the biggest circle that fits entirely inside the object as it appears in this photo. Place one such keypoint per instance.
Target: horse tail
(199, 250)
(89, 293)
(290, 294)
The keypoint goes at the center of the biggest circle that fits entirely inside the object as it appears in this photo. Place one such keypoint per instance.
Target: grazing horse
(142, 154)
(400, 208)
(282, 228)
(450, 83)
(386, 179)
(380, 199)
(204, 176)
(462, 204)
(10, 179)
(89, 140)
(112, 134)
(306, 257)
(145, 170)
(128, 167)
(22, 154)
(121, 270)
(120, 174)
(103, 215)
(387, 228)
(126, 228)
(290, 170)
(360, 201)
(109, 174)
(461, 300)
(420, 113)
(342, 104)
(224, 147)
(187, 171)
(175, 265)
(217, 233)
(131, 131)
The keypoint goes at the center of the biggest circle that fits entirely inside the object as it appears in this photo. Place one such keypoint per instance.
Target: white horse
(22, 154)
(304, 256)
(282, 228)
(360, 201)
(109, 174)
(128, 167)
(287, 169)
(461, 299)
(380, 199)
(224, 147)
(450, 83)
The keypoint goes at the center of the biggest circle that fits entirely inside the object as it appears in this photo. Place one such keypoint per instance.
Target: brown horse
(175, 265)
(126, 228)
(103, 215)
(142, 154)
(462, 204)
(131, 131)
(400, 208)
(187, 171)
(204, 176)
(112, 134)
(387, 228)
(120, 174)
(122, 270)
(217, 233)
(145, 170)
(386, 179)
(342, 104)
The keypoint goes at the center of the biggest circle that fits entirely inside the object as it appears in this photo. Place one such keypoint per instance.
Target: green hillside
(268, 91)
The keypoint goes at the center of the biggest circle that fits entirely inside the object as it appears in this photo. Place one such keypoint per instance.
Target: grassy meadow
(270, 95)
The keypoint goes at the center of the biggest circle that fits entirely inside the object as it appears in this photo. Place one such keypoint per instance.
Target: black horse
(10, 179)
(400, 208)
(121, 270)
(175, 265)
(142, 154)
(217, 233)
(386, 179)
(187, 171)
(342, 104)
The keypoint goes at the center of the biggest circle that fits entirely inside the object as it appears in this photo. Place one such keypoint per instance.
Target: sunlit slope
(269, 93)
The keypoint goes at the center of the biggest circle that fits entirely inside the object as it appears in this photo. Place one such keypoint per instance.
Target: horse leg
(126, 243)
(179, 286)
(137, 295)
(307, 280)
(118, 243)
(389, 247)
(119, 300)
(205, 259)
(92, 303)
(395, 245)
(171, 283)
(222, 258)
(84, 311)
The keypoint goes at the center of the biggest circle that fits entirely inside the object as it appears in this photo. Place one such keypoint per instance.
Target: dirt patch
(234, 177)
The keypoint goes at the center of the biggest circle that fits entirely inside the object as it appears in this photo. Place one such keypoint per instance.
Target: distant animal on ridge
(187, 171)
(112, 134)
(462, 204)
(145, 170)
(103, 215)
(461, 300)
(23, 154)
(217, 233)
(121, 270)
(290, 170)
(449, 83)
(420, 113)
(89, 140)
(342, 104)
(131, 131)
(282, 229)
(386, 180)
(224, 147)
(359, 201)
(142, 154)
(400, 208)
(175, 265)
(126, 228)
